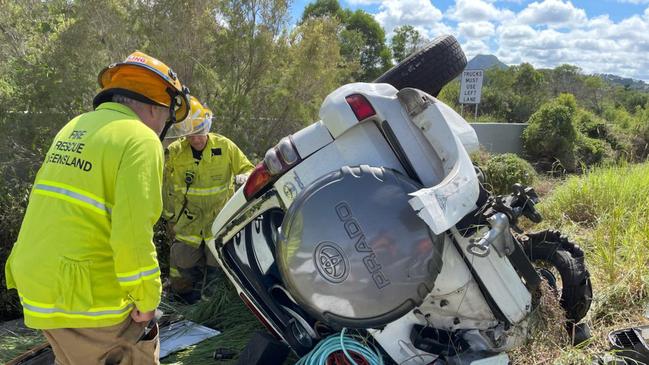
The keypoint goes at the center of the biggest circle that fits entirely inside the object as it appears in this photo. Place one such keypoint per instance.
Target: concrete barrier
(500, 137)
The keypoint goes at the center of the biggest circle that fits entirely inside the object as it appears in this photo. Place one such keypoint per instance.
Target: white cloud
(552, 13)
(481, 29)
(422, 13)
(515, 32)
(476, 10)
(475, 47)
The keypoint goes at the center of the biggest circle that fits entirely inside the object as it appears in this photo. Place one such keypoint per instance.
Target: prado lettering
(355, 232)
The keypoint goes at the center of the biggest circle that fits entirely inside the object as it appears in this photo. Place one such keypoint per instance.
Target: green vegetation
(607, 207)
(361, 37)
(551, 133)
(405, 41)
(14, 341)
(503, 171)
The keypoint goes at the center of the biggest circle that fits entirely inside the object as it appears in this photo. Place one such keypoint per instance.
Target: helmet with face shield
(198, 121)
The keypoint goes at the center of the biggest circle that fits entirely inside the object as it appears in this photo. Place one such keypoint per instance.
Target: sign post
(471, 88)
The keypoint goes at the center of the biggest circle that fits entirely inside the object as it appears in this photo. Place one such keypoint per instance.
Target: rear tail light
(259, 178)
(277, 161)
(360, 106)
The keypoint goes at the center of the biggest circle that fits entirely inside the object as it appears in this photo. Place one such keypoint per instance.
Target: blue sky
(600, 36)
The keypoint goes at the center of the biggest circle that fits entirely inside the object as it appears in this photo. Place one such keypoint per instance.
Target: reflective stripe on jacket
(84, 255)
(212, 185)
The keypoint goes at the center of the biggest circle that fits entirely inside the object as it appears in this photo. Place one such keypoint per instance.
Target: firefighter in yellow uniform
(202, 169)
(84, 264)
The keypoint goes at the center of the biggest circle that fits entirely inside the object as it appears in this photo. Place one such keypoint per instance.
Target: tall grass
(608, 210)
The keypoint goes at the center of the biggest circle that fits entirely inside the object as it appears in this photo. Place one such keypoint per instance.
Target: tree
(498, 98)
(566, 79)
(595, 89)
(361, 37)
(321, 8)
(528, 92)
(450, 94)
(374, 56)
(309, 70)
(405, 41)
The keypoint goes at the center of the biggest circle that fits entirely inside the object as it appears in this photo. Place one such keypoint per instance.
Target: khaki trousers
(187, 265)
(120, 344)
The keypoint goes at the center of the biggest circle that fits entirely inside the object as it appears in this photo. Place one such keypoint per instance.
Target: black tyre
(429, 69)
(550, 247)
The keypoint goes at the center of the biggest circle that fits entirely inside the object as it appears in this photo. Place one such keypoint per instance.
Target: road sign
(471, 86)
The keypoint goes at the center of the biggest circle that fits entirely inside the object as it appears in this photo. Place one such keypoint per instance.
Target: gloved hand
(240, 179)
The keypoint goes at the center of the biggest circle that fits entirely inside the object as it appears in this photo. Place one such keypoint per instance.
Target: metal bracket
(499, 237)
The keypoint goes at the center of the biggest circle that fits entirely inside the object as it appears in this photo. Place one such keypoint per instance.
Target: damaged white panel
(444, 204)
(460, 127)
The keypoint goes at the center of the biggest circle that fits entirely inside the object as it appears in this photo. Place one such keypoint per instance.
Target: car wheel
(428, 69)
(567, 259)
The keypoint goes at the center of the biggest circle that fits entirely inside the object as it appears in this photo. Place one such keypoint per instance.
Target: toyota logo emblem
(331, 262)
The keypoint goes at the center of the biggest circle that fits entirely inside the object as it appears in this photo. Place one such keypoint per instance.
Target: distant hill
(632, 84)
(484, 61)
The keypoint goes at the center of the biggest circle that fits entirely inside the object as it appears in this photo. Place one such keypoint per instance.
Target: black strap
(185, 202)
(172, 114)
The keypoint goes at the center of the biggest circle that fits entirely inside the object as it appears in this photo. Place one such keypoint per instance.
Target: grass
(15, 340)
(225, 312)
(607, 210)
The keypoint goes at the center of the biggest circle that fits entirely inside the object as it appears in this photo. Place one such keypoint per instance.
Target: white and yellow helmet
(198, 121)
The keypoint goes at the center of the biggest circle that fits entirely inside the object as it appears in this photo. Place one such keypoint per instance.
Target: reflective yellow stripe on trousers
(190, 239)
(49, 310)
(72, 195)
(202, 191)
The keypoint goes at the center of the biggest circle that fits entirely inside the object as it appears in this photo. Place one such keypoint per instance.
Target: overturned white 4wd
(374, 218)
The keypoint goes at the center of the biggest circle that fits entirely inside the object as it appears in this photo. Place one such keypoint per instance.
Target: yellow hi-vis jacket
(84, 255)
(211, 186)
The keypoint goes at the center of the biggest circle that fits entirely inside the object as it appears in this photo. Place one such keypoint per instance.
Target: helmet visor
(195, 124)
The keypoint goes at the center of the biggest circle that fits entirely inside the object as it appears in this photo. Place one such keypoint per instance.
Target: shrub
(619, 117)
(569, 101)
(591, 125)
(628, 134)
(21, 154)
(503, 171)
(14, 193)
(551, 134)
(591, 151)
